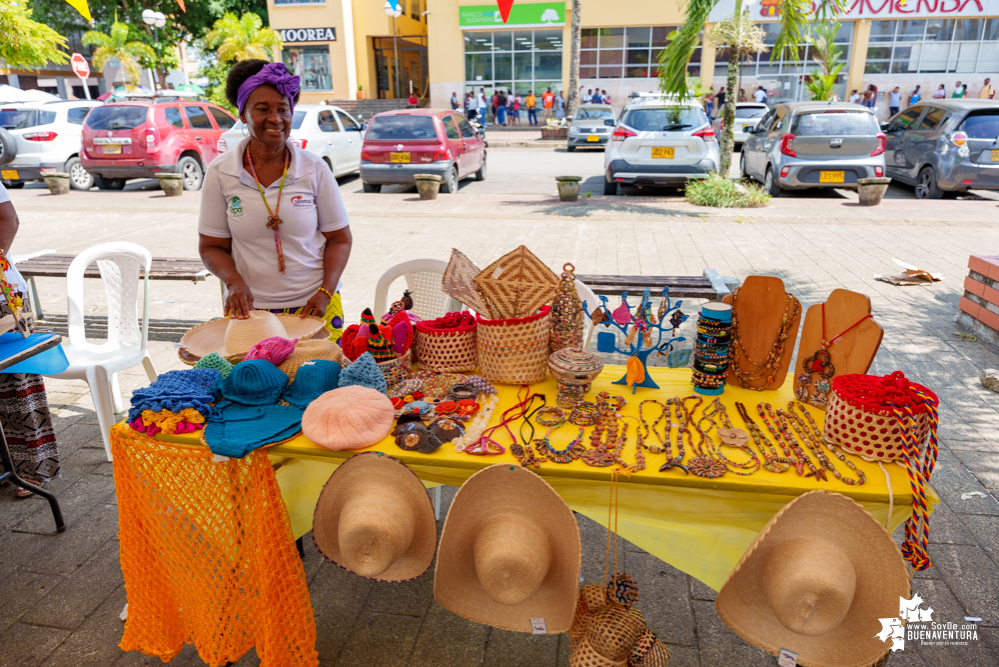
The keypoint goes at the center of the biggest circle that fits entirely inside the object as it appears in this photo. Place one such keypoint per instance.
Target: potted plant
(171, 184)
(428, 185)
(871, 190)
(360, 91)
(58, 182)
(568, 187)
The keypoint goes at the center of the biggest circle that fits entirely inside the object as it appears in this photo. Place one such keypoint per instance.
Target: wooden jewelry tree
(638, 328)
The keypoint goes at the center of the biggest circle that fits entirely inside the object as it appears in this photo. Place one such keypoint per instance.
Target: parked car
(589, 126)
(40, 138)
(326, 131)
(400, 144)
(945, 146)
(660, 141)
(802, 145)
(747, 116)
(140, 138)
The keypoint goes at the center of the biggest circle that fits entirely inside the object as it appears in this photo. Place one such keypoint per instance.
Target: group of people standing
(894, 96)
(716, 101)
(505, 107)
(596, 97)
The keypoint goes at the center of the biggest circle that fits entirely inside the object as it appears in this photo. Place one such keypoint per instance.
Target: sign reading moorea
(537, 15)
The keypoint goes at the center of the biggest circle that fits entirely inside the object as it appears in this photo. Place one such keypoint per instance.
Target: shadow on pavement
(96, 327)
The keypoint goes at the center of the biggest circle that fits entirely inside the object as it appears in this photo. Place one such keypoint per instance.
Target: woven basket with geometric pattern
(447, 344)
(514, 351)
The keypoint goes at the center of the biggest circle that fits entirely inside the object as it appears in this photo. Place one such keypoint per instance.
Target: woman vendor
(273, 226)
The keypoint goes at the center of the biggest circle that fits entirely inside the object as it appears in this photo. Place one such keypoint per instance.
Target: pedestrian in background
(559, 106)
(531, 102)
(959, 91)
(870, 96)
(854, 97)
(515, 109)
(480, 104)
(894, 101)
(940, 93)
(720, 101)
(742, 94)
(987, 92)
(605, 98)
(414, 101)
(454, 102)
(493, 101)
(760, 95)
(709, 102)
(588, 97)
(500, 102)
(548, 101)
(915, 96)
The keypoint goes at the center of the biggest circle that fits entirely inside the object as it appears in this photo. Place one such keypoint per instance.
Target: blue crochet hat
(254, 382)
(213, 360)
(176, 390)
(364, 372)
(312, 379)
(235, 430)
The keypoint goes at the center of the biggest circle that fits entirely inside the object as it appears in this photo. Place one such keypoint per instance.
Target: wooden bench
(710, 285)
(49, 264)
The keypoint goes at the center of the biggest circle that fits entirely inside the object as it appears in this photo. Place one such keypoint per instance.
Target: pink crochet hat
(351, 417)
(274, 350)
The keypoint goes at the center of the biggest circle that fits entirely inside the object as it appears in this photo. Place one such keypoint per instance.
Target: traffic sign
(393, 8)
(80, 66)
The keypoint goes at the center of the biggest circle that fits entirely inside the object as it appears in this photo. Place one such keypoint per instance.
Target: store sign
(537, 15)
(293, 35)
(770, 10)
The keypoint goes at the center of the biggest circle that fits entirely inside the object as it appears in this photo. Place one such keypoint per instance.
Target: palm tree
(115, 46)
(241, 38)
(822, 83)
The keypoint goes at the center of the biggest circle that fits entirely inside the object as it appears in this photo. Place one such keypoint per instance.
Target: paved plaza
(63, 593)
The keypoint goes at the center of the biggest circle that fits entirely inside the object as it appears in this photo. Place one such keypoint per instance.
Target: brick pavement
(65, 591)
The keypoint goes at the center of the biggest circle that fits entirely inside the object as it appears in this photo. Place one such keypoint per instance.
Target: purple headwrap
(271, 74)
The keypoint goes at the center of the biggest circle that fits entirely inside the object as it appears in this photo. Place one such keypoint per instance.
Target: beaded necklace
(704, 464)
(653, 449)
(474, 430)
(521, 449)
(676, 405)
(486, 445)
(812, 435)
(274, 220)
(769, 366)
(772, 461)
(820, 363)
(557, 418)
(730, 436)
(639, 464)
(781, 431)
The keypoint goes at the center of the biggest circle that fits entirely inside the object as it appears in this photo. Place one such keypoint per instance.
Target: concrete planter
(171, 184)
(568, 187)
(428, 185)
(58, 183)
(871, 190)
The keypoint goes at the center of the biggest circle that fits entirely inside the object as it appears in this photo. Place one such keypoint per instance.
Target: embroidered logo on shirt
(235, 207)
(298, 201)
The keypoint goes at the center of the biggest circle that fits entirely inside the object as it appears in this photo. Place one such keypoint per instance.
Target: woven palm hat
(374, 518)
(312, 350)
(233, 338)
(509, 553)
(815, 581)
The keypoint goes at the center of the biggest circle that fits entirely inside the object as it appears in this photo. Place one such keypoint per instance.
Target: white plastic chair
(98, 364)
(423, 278)
(587, 295)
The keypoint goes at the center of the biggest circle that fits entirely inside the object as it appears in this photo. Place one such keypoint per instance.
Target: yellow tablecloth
(701, 526)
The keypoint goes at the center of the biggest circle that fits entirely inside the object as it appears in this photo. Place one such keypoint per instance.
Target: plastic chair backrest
(587, 295)
(423, 278)
(119, 264)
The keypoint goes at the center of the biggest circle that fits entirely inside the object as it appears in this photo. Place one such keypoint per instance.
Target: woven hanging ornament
(567, 314)
(517, 284)
(459, 282)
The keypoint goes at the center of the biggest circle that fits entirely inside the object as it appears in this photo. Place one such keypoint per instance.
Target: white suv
(40, 138)
(660, 141)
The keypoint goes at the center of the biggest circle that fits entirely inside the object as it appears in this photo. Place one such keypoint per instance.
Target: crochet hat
(509, 553)
(815, 581)
(374, 518)
(254, 382)
(235, 430)
(274, 350)
(308, 350)
(175, 391)
(348, 418)
(314, 379)
(233, 338)
(364, 372)
(213, 360)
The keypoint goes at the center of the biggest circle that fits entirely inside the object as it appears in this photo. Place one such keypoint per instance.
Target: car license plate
(747, 128)
(593, 137)
(399, 157)
(663, 153)
(831, 176)
(112, 150)
(995, 156)
(9, 174)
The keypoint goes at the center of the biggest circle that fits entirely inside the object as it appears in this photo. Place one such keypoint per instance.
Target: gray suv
(945, 146)
(803, 145)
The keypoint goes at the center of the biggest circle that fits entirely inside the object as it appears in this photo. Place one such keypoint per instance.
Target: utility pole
(573, 100)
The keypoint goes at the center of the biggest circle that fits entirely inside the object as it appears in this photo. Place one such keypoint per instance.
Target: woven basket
(514, 351)
(860, 418)
(398, 369)
(447, 344)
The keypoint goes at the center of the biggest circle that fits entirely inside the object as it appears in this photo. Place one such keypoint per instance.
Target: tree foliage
(25, 43)
(821, 83)
(116, 45)
(242, 38)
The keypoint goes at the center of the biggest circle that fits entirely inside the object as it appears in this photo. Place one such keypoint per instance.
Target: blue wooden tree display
(638, 328)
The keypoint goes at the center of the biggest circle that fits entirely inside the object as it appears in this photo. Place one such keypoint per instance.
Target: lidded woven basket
(861, 416)
(514, 351)
(398, 369)
(574, 369)
(447, 344)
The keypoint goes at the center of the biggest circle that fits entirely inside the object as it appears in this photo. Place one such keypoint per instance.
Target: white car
(39, 138)
(326, 131)
(660, 141)
(747, 117)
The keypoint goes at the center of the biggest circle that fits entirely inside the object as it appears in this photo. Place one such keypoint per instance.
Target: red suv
(142, 138)
(401, 144)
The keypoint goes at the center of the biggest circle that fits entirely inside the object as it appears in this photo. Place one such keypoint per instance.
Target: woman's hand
(239, 300)
(316, 305)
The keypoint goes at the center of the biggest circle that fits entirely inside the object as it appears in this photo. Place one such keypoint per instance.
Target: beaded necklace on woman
(770, 366)
(273, 218)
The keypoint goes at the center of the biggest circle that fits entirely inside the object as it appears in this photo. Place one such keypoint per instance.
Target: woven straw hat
(232, 338)
(309, 350)
(815, 581)
(374, 518)
(509, 553)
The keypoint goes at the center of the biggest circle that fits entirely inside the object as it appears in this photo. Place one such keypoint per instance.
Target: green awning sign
(522, 15)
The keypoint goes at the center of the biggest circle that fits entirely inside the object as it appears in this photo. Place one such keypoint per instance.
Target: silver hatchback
(803, 145)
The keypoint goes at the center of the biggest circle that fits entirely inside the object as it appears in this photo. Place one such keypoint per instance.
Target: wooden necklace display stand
(758, 310)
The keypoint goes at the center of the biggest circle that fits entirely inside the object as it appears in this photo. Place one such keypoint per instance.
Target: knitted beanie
(254, 382)
(348, 418)
(235, 430)
(214, 360)
(380, 346)
(364, 372)
(274, 350)
(313, 379)
(367, 319)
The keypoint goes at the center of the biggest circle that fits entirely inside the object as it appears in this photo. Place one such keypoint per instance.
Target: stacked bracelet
(711, 351)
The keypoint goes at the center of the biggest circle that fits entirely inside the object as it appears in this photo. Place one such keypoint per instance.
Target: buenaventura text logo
(916, 624)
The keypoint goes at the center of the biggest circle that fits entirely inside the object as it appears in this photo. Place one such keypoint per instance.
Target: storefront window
(312, 63)
(933, 46)
(791, 61)
(631, 53)
(519, 60)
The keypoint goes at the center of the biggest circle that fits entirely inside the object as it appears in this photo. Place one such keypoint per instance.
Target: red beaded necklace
(821, 363)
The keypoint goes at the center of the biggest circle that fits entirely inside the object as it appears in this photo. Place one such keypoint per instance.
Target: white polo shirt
(12, 275)
(231, 207)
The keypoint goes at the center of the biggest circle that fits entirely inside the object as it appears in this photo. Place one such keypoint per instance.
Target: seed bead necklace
(653, 449)
(812, 434)
(675, 405)
(273, 218)
(782, 431)
(771, 365)
(704, 464)
(521, 449)
(730, 436)
(772, 461)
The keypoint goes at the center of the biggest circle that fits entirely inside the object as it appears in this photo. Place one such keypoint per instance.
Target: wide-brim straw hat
(374, 518)
(815, 581)
(509, 553)
(311, 350)
(233, 338)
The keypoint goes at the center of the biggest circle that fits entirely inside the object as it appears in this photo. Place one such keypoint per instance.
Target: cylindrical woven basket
(398, 369)
(574, 370)
(447, 344)
(514, 351)
(860, 418)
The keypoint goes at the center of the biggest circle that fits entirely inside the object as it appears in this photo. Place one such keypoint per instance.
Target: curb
(525, 144)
